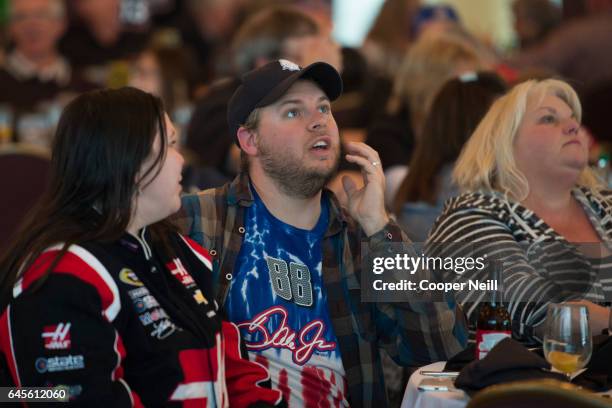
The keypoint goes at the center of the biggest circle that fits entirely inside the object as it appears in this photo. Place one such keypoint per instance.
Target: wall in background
(490, 20)
(353, 19)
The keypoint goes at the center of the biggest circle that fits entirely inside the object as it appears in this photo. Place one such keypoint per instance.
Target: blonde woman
(530, 200)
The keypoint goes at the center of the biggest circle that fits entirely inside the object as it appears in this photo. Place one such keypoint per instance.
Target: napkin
(508, 361)
(598, 376)
(461, 359)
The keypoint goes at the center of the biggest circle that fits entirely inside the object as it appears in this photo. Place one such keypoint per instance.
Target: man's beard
(291, 176)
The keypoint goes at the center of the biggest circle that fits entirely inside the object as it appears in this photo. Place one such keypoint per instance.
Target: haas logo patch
(57, 337)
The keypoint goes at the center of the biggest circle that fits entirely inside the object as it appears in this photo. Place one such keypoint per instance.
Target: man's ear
(246, 140)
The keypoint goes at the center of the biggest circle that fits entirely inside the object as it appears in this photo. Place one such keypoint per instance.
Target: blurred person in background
(530, 200)
(146, 74)
(287, 32)
(390, 36)
(97, 35)
(534, 20)
(278, 32)
(437, 56)
(397, 27)
(363, 98)
(433, 59)
(455, 112)
(34, 73)
(579, 49)
(161, 70)
(434, 18)
(207, 32)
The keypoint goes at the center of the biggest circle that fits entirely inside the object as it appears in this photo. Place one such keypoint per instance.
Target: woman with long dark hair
(99, 295)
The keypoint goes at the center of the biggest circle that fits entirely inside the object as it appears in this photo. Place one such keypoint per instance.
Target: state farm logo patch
(59, 363)
(57, 337)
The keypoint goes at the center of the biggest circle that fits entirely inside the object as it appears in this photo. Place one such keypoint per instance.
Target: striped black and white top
(539, 265)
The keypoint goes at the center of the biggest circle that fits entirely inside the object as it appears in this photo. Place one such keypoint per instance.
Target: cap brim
(321, 73)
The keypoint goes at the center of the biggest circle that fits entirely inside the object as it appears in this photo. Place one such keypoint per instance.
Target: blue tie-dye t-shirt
(278, 300)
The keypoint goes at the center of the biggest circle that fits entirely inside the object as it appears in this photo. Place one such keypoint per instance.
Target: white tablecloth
(413, 398)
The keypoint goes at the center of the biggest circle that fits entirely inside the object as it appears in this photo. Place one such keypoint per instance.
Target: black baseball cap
(265, 85)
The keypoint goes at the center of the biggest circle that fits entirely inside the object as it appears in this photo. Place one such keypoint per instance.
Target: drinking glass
(567, 339)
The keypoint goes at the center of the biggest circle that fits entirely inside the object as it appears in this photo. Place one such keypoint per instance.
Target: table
(413, 398)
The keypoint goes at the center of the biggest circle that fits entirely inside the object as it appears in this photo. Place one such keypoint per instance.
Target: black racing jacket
(120, 325)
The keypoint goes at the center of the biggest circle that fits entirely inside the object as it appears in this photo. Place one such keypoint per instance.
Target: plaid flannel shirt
(412, 333)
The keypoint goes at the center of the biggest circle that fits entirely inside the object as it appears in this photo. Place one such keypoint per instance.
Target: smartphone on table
(437, 384)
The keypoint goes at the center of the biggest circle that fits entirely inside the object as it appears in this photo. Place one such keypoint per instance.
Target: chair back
(24, 172)
(537, 394)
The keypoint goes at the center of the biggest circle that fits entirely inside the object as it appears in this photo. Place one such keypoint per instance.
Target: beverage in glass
(567, 340)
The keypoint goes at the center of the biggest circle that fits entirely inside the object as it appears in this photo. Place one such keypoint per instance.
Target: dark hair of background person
(573, 9)
(392, 26)
(534, 19)
(101, 142)
(175, 72)
(263, 35)
(364, 93)
(173, 65)
(455, 113)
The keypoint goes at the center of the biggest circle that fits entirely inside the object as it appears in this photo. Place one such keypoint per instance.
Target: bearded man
(287, 257)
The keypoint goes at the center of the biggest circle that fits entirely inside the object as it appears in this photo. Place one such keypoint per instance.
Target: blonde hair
(487, 160)
(435, 58)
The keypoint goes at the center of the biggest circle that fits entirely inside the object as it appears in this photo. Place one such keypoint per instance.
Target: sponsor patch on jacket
(145, 303)
(59, 363)
(138, 293)
(154, 315)
(57, 337)
(177, 270)
(163, 329)
(128, 276)
(199, 297)
(150, 313)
